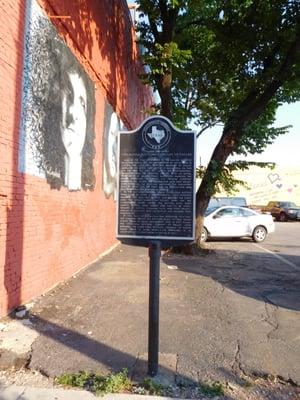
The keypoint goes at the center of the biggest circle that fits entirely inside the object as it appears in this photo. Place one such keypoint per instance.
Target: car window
(215, 202)
(228, 212)
(210, 210)
(247, 213)
(287, 204)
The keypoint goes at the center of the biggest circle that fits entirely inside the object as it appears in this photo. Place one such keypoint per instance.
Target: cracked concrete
(218, 320)
(16, 340)
(271, 318)
(237, 362)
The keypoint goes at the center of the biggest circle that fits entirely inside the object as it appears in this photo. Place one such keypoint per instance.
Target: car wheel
(259, 234)
(282, 217)
(204, 235)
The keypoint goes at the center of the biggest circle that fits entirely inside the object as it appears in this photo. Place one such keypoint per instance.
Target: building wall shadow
(15, 207)
(96, 355)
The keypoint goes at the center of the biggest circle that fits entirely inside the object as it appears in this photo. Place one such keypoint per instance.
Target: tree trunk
(207, 187)
(164, 88)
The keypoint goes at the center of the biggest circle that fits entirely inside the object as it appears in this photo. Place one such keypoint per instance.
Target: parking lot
(283, 245)
(231, 311)
(235, 310)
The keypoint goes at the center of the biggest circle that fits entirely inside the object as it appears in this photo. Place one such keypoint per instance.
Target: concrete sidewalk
(25, 393)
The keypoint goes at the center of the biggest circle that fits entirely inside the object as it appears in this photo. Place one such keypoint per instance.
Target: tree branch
(168, 17)
(207, 126)
(154, 29)
(255, 103)
(196, 22)
(250, 109)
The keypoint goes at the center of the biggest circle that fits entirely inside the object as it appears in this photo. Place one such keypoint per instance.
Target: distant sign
(156, 188)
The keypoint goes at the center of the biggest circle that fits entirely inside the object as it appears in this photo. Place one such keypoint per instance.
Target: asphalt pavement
(235, 310)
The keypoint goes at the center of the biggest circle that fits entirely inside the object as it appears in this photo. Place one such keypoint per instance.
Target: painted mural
(281, 183)
(112, 125)
(58, 109)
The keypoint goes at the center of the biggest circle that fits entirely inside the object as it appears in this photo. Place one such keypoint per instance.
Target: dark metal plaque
(156, 182)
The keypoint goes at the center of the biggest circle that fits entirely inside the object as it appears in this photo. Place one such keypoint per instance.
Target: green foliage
(80, 379)
(226, 62)
(113, 383)
(212, 389)
(224, 174)
(261, 132)
(219, 52)
(164, 58)
(116, 383)
(153, 387)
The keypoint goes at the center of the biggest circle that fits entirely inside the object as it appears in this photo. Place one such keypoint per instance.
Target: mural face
(73, 129)
(112, 125)
(57, 127)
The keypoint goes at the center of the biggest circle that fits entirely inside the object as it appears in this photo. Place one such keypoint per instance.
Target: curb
(13, 392)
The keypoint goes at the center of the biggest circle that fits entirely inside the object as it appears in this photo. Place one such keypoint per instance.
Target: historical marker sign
(156, 188)
(156, 200)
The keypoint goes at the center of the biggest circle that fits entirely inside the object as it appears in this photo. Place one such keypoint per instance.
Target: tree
(223, 61)
(157, 34)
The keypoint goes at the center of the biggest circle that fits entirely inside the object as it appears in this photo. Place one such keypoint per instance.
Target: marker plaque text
(156, 196)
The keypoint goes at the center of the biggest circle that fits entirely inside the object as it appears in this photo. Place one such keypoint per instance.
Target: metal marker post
(153, 332)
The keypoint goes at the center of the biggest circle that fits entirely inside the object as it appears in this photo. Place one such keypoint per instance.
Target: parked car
(230, 221)
(282, 210)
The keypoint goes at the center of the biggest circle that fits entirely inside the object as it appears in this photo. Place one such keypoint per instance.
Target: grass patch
(153, 387)
(212, 389)
(121, 383)
(113, 383)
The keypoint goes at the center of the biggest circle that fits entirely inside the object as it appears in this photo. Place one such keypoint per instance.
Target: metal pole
(153, 332)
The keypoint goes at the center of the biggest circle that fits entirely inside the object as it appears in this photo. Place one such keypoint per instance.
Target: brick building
(68, 82)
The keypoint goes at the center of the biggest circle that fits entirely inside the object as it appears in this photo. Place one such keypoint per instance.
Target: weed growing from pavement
(113, 383)
(212, 389)
(153, 388)
(120, 383)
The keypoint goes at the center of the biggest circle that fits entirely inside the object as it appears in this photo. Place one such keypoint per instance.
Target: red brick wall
(47, 235)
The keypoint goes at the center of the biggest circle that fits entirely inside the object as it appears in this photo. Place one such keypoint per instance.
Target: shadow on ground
(252, 274)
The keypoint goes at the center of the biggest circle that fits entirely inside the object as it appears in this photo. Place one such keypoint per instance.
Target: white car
(230, 221)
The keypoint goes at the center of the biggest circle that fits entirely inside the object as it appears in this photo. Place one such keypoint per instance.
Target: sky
(285, 151)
